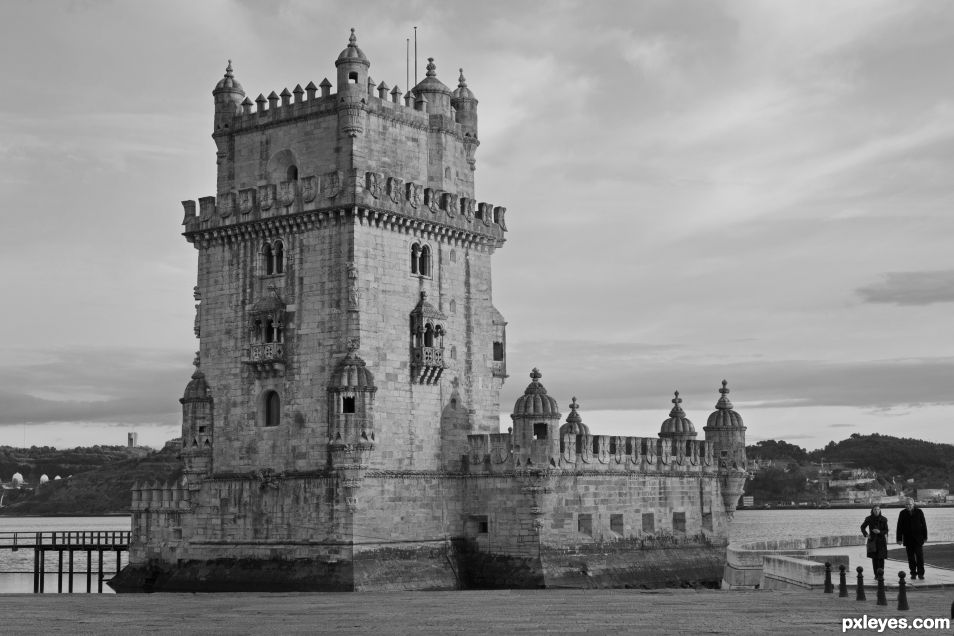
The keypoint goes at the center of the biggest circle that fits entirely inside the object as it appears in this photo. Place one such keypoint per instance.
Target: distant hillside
(103, 489)
(787, 472)
(36, 461)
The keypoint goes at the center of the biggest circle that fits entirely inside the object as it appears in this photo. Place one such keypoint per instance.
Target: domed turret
(677, 425)
(197, 422)
(352, 374)
(535, 402)
(433, 91)
(574, 423)
(465, 103)
(724, 416)
(724, 430)
(197, 388)
(228, 96)
(350, 404)
(352, 66)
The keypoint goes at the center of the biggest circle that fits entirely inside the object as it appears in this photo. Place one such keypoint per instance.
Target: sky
(696, 191)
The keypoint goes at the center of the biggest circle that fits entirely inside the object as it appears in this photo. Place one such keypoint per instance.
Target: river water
(749, 525)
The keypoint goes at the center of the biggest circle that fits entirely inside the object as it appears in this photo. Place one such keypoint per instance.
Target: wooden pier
(69, 542)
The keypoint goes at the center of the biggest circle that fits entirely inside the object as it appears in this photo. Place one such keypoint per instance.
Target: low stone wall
(744, 561)
(791, 573)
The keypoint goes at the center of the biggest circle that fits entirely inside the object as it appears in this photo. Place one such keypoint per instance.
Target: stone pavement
(472, 612)
(934, 577)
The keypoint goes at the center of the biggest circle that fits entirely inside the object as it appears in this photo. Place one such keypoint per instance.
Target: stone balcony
(267, 358)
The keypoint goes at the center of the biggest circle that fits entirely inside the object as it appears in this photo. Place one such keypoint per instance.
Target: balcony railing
(267, 352)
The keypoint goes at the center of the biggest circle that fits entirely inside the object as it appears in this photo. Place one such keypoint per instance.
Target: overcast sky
(755, 191)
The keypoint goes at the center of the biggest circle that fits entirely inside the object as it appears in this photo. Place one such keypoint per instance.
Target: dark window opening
(679, 522)
(201, 429)
(415, 257)
(279, 256)
(347, 405)
(267, 258)
(540, 430)
(649, 522)
(596, 446)
(629, 446)
(584, 524)
(424, 262)
(483, 526)
(498, 352)
(272, 409)
(688, 448)
(616, 523)
(292, 173)
(428, 336)
(612, 446)
(562, 445)
(643, 448)
(352, 78)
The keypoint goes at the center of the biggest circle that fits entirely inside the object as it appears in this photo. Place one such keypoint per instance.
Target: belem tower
(341, 429)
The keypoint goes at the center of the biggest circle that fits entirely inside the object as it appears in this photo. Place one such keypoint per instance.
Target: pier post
(99, 580)
(842, 583)
(860, 594)
(42, 570)
(69, 584)
(36, 570)
(89, 569)
(829, 588)
(902, 593)
(882, 599)
(59, 571)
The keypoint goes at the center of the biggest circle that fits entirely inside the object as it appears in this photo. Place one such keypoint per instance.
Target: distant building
(132, 439)
(932, 495)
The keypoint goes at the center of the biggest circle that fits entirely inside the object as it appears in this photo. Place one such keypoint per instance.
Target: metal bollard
(843, 583)
(860, 593)
(829, 588)
(902, 593)
(882, 599)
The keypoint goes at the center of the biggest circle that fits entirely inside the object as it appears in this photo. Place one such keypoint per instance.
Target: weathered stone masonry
(340, 431)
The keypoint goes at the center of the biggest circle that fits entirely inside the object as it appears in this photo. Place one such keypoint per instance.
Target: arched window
(269, 330)
(424, 262)
(453, 352)
(267, 259)
(447, 172)
(292, 173)
(352, 77)
(273, 407)
(415, 258)
(453, 306)
(278, 254)
(257, 333)
(429, 336)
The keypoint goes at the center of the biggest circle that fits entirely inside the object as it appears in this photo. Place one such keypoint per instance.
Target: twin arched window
(268, 330)
(421, 259)
(273, 258)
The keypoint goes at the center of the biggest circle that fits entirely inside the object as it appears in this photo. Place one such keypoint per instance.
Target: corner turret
(433, 92)
(353, 67)
(197, 407)
(725, 431)
(228, 95)
(536, 425)
(677, 426)
(465, 103)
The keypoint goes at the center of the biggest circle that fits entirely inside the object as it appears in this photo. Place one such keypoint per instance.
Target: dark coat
(881, 539)
(912, 528)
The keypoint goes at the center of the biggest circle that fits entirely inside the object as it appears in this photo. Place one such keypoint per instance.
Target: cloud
(911, 288)
(102, 385)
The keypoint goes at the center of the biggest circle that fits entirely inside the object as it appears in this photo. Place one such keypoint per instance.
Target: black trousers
(876, 564)
(915, 559)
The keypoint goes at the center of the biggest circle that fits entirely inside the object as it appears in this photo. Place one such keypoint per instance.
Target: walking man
(912, 531)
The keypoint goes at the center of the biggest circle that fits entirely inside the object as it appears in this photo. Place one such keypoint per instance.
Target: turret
(433, 92)
(678, 428)
(724, 430)
(197, 411)
(350, 409)
(228, 95)
(353, 67)
(536, 425)
(465, 103)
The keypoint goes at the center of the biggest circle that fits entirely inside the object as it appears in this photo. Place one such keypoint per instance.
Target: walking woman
(875, 528)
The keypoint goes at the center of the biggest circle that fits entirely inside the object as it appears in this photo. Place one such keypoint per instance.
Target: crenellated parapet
(373, 198)
(174, 496)
(501, 454)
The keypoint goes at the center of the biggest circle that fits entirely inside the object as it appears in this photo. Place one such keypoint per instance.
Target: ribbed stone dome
(677, 424)
(430, 83)
(352, 374)
(198, 388)
(535, 401)
(462, 92)
(724, 416)
(574, 423)
(229, 83)
(352, 53)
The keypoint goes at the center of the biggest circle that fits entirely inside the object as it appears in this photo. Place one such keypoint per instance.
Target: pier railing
(68, 542)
